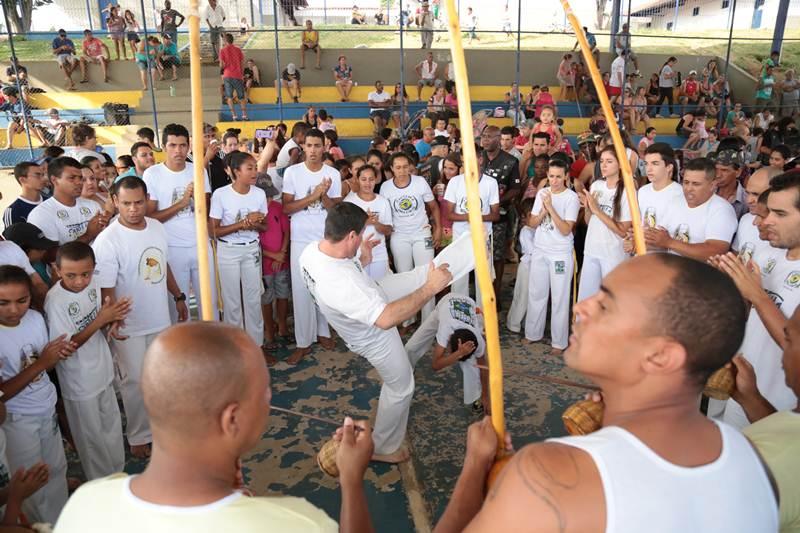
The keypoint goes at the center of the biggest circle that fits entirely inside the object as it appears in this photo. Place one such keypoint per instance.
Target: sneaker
(658, 116)
(674, 115)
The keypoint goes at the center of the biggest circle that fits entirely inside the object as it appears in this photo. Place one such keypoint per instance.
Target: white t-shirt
(11, 254)
(548, 237)
(309, 224)
(381, 207)
(350, 300)
(456, 193)
(284, 157)
(617, 72)
(20, 346)
(378, 97)
(63, 223)
(167, 187)
(601, 242)
(88, 371)
(78, 153)
(714, 220)
(459, 312)
(663, 80)
(408, 204)
(654, 204)
(134, 262)
(108, 504)
(230, 207)
(780, 278)
(747, 241)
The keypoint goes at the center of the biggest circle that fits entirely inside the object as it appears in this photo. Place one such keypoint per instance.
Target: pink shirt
(543, 100)
(233, 58)
(272, 239)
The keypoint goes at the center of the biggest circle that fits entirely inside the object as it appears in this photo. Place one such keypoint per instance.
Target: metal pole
(89, 14)
(277, 59)
(621, 119)
(325, 12)
(23, 103)
(150, 76)
(727, 62)
(252, 13)
(402, 79)
(780, 26)
(675, 17)
(615, 7)
(519, 37)
(261, 12)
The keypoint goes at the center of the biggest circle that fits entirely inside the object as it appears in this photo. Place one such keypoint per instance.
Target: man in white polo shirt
(171, 201)
(310, 189)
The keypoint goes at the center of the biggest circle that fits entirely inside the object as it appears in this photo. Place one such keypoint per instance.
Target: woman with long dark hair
(666, 86)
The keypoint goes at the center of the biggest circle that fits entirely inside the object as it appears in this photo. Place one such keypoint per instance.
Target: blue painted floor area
(339, 383)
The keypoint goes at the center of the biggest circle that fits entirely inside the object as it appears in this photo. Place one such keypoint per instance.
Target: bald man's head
(201, 377)
(758, 183)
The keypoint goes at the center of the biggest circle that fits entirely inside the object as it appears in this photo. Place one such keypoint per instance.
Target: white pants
(377, 269)
(409, 251)
(460, 286)
(593, 270)
(241, 286)
(550, 275)
(130, 358)
(183, 264)
(309, 322)
(32, 439)
(97, 431)
(422, 340)
(389, 358)
(519, 303)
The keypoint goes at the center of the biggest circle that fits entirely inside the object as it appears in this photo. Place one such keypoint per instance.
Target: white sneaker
(674, 116)
(659, 116)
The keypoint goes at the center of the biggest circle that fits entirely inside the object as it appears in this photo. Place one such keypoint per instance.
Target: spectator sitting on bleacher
(437, 107)
(252, 78)
(290, 78)
(53, 128)
(325, 121)
(379, 103)
(690, 90)
(343, 78)
(427, 71)
(17, 110)
(544, 98)
(64, 50)
(168, 57)
(514, 106)
(85, 140)
(17, 72)
(94, 51)
(309, 41)
(358, 17)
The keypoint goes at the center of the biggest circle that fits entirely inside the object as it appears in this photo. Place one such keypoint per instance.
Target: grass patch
(41, 50)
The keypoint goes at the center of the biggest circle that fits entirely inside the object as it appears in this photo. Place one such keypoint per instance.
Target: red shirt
(93, 47)
(232, 56)
(272, 239)
(691, 88)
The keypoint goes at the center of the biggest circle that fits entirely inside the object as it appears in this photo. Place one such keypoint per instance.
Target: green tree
(20, 13)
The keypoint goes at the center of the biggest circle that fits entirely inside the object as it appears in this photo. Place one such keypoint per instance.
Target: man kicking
(360, 311)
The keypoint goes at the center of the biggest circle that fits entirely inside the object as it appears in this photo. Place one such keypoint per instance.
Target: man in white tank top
(650, 338)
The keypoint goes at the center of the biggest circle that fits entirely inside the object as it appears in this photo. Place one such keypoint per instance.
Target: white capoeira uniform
(780, 277)
(379, 266)
(411, 240)
(307, 226)
(31, 426)
(452, 312)
(352, 302)
(519, 302)
(134, 264)
(85, 378)
(456, 194)
(166, 188)
(603, 250)
(239, 259)
(551, 270)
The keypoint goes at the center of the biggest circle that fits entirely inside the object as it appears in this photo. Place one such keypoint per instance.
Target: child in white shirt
(74, 308)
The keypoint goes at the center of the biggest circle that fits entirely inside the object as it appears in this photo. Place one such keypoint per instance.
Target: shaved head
(194, 372)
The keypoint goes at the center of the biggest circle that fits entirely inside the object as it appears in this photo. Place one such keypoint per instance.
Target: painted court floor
(338, 383)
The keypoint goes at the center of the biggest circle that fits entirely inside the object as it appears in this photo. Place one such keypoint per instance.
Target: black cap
(440, 140)
(26, 235)
(62, 31)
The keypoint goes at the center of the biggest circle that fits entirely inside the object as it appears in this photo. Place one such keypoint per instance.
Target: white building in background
(693, 15)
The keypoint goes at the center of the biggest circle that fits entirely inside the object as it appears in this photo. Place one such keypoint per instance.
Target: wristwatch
(179, 298)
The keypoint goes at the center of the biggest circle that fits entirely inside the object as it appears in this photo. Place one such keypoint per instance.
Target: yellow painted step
(84, 100)
(329, 94)
(105, 135)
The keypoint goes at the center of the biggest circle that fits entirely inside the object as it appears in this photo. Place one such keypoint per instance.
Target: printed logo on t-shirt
(62, 214)
(27, 358)
(462, 206)
(177, 194)
(405, 205)
(92, 295)
(682, 233)
(776, 298)
(461, 310)
(792, 281)
(650, 217)
(315, 206)
(85, 211)
(151, 266)
(770, 266)
(241, 215)
(547, 223)
(73, 309)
